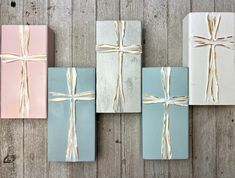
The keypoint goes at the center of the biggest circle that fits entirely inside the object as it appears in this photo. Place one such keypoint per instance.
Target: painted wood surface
(118, 74)
(212, 130)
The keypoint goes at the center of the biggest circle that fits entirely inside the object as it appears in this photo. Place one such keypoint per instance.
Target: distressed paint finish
(212, 130)
(111, 71)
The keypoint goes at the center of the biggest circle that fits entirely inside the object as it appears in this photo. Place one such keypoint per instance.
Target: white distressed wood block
(109, 67)
(209, 54)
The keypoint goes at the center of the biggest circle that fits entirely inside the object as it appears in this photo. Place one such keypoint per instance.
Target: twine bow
(23, 99)
(212, 86)
(166, 148)
(72, 97)
(120, 48)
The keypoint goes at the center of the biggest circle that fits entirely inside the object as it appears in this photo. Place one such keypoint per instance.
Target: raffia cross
(166, 148)
(212, 41)
(120, 48)
(23, 99)
(72, 97)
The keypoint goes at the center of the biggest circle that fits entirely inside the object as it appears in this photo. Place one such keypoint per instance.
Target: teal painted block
(59, 114)
(154, 110)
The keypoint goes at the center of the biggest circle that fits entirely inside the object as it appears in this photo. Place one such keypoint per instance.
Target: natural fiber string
(166, 148)
(23, 100)
(120, 48)
(72, 97)
(212, 86)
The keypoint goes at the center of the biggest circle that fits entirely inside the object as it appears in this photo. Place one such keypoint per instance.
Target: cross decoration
(72, 96)
(120, 48)
(24, 58)
(213, 41)
(166, 148)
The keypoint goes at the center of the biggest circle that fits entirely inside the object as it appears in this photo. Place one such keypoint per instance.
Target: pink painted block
(39, 55)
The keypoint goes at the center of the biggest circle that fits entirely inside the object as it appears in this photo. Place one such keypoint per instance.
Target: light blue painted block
(58, 115)
(153, 114)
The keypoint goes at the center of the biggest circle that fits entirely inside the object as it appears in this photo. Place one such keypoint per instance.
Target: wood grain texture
(109, 125)
(155, 33)
(61, 11)
(60, 21)
(225, 130)
(83, 55)
(204, 124)
(212, 131)
(155, 28)
(132, 163)
(204, 141)
(11, 145)
(34, 12)
(35, 132)
(177, 10)
(11, 131)
(202, 6)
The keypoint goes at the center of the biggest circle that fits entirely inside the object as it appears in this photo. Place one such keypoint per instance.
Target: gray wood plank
(204, 156)
(11, 145)
(204, 123)
(35, 131)
(109, 145)
(177, 10)
(83, 50)
(202, 6)
(35, 148)
(155, 54)
(204, 142)
(84, 33)
(60, 21)
(224, 6)
(35, 12)
(109, 125)
(11, 131)
(132, 10)
(225, 142)
(225, 130)
(12, 13)
(155, 33)
(132, 163)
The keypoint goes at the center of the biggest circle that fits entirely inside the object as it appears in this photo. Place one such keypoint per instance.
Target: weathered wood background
(212, 129)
